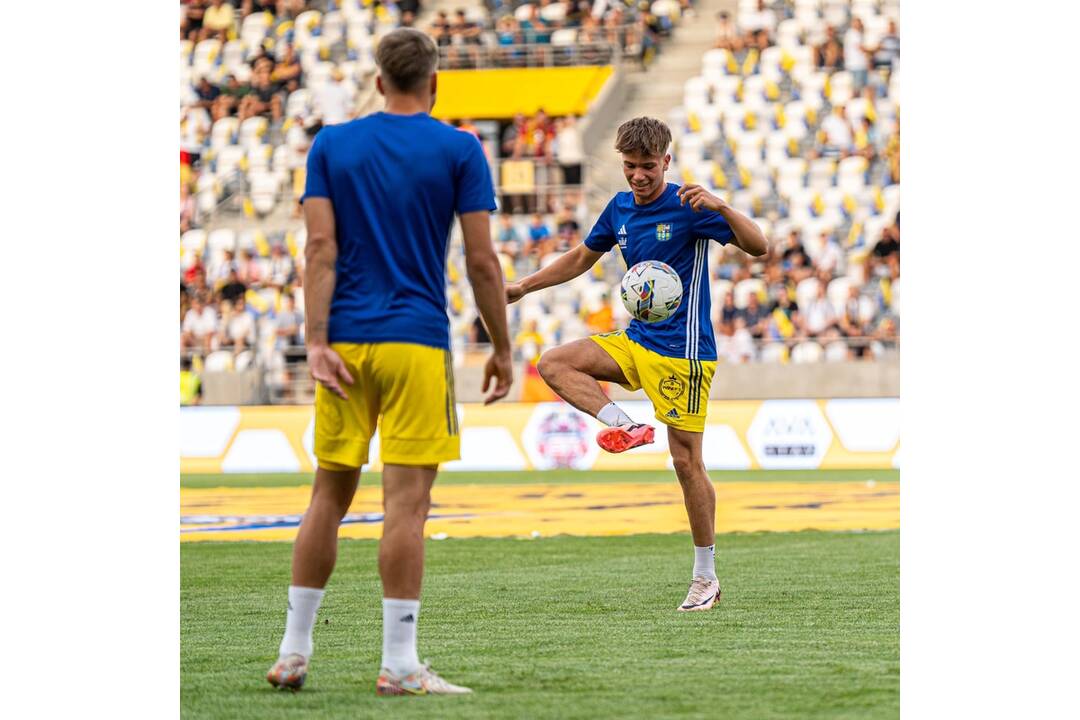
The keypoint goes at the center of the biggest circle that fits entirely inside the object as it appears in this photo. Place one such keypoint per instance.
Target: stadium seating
(749, 130)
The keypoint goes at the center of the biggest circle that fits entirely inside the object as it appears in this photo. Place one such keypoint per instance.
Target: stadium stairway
(656, 91)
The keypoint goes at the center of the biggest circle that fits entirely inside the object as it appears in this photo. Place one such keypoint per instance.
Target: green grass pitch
(564, 627)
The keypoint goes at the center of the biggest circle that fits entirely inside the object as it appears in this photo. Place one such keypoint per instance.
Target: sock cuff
(400, 603)
(705, 547)
(299, 591)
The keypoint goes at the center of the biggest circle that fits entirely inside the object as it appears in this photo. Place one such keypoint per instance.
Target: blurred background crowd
(793, 118)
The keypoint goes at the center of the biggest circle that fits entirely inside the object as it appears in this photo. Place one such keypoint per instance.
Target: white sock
(612, 415)
(303, 604)
(399, 635)
(705, 562)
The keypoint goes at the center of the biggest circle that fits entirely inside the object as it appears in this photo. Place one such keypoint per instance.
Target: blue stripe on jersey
(672, 233)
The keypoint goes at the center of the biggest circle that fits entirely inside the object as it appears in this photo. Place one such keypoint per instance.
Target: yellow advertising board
(739, 435)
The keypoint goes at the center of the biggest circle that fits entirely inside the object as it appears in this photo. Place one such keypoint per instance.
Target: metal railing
(528, 55)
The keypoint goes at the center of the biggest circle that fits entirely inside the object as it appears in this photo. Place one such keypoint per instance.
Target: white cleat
(423, 681)
(703, 595)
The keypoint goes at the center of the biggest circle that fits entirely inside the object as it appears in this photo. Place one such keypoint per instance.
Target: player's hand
(699, 198)
(328, 369)
(499, 368)
(514, 292)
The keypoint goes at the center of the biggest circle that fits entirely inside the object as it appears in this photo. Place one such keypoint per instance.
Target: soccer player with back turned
(380, 199)
(673, 359)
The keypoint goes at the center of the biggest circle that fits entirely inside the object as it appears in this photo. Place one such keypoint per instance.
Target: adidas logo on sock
(673, 413)
(408, 618)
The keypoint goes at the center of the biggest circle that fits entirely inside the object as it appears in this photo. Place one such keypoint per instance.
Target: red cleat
(623, 437)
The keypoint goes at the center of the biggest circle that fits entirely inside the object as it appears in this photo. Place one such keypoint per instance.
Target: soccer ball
(651, 291)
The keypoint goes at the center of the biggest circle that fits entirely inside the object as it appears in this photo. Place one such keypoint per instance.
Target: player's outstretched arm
(566, 267)
(748, 236)
(485, 275)
(326, 366)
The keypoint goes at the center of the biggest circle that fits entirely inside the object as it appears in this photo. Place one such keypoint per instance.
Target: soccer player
(380, 199)
(673, 359)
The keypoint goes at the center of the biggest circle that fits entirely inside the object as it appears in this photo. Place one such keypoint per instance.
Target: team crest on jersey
(672, 387)
(663, 232)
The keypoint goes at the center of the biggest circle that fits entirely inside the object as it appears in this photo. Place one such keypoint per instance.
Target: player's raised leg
(406, 502)
(314, 556)
(700, 499)
(574, 370)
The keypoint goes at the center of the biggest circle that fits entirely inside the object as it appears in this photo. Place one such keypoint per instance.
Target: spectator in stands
(541, 135)
(282, 269)
(836, 137)
(287, 71)
(889, 242)
(237, 330)
(508, 241)
(218, 19)
(249, 272)
(249, 6)
(463, 51)
(192, 22)
(206, 93)
(567, 229)
(232, 288)
(819, 312)
(867, 140)
(856, 54)
(850, 320)
(726, 31)
(785, 321)
(440, 29)
(887, 52)
(200, 324)
(536, 29)
(288, 323)
(220, 270)
(728, 313)
(762, 18)
(734, 343)
(513, 137)
(828, 255)
(569, 150)
(188, 209)
(333, 101)
(539, 236)
(264, 98)
(829, 55)
(793, 246)
(508, 33)
(756, 316)
(409, 10)
(232, 94)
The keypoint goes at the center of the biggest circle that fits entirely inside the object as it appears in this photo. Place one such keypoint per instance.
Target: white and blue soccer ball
(651, 291)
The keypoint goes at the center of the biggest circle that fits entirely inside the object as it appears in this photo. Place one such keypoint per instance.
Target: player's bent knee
(548, 365)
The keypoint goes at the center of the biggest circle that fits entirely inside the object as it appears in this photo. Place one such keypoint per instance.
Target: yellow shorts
(406, 390)
(678, 388)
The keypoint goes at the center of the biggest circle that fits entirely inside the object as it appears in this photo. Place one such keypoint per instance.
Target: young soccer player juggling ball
(673, 360)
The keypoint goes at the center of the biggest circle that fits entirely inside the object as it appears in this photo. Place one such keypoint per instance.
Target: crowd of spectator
(795, 302)
(549, 32)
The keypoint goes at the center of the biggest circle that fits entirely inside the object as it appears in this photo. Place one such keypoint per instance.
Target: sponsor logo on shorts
(672, 387)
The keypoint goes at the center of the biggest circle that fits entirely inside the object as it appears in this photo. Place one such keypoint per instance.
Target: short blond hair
(643, 136)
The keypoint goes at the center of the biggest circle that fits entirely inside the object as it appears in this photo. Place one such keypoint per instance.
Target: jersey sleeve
(602, 236)
(712, 226)
(475, 190)
(317, 183)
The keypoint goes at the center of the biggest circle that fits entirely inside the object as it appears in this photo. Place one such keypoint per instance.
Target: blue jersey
(674, 234)
(395, 182)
